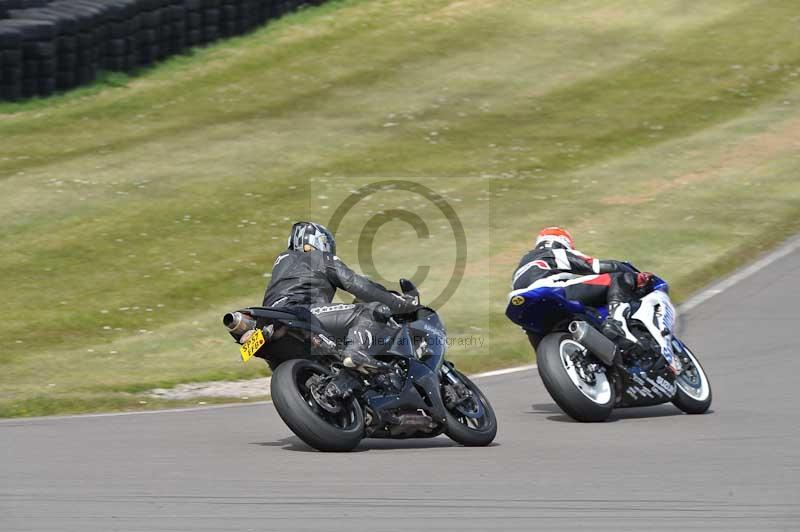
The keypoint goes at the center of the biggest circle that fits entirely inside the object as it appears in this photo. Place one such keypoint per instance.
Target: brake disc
(319, 391)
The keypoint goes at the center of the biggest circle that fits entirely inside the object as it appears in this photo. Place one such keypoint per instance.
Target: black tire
(10, 92)
(177, 45)
(85, 40)
(68, 62)
(179, 29)
(147, 37)
(151, 19)
(117, 47)
(84, 74)
(44, 50)
(211, 17)
(177, 13)
(165, 32)
(458, 424)
(131, 61)
(11, 58)
(562, 389)
(10, 76)
(210, 33)
(10, 38)
(229, 12)
(148, 55)
(699, 400)
(65, 80)
(46, 87)
(31, 30)
(116, 63)
(47, 68)
(29, 87)
(194, 20)
(30, 68)
(67, 45)
(313, 425)
(227, 29)
(194, 37)
(119, 30)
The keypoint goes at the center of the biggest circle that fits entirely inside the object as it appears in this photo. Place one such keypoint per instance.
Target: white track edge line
(740, 275)
(16, 420)
(504, 371)
(704, 295)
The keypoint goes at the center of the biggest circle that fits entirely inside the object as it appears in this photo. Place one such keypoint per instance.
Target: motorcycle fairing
(545, 307)
(645, 388)
(657, 314)
(421, 388)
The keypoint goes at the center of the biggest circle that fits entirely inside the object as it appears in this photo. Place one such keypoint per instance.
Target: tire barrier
(10, 64)
(49, 46)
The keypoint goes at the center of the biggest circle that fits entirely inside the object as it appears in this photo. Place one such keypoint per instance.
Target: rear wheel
(694, 390)
(578, 385)
(332, 427)
(471, 421)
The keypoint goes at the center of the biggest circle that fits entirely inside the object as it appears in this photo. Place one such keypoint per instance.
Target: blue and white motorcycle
(588, 375)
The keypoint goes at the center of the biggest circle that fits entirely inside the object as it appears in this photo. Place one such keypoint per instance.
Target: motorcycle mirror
(408, 287)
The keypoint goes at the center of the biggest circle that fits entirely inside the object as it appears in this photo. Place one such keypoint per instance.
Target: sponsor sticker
(517, 300)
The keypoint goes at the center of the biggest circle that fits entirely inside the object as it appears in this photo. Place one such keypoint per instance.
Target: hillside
(137, 211)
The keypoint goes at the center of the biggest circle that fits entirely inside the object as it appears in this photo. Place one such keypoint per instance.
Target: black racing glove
(405, 303)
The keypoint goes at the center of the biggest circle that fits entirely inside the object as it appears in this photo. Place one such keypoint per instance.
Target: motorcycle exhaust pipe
(238, 323)
(594, 341)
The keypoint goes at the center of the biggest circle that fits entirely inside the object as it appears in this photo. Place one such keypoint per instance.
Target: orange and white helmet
(554, 237)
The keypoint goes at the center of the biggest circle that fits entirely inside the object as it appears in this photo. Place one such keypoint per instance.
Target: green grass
(666, 133)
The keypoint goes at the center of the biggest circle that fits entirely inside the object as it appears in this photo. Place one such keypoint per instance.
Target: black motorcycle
(413, 393)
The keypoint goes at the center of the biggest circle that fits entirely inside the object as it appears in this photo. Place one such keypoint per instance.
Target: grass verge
(137, 211)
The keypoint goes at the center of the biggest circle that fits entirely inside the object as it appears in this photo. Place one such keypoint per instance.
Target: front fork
(455, 391)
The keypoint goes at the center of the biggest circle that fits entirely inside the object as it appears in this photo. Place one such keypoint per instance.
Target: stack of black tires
(54, 45)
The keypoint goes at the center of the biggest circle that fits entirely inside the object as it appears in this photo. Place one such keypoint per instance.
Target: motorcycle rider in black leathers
(308, 274)
(554, 261)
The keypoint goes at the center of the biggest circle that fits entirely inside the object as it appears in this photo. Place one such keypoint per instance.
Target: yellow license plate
(252, 345)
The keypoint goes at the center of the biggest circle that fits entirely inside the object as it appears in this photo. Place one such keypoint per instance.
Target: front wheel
(577, 384)
(694, 390)
(470, 421)
(338, 427)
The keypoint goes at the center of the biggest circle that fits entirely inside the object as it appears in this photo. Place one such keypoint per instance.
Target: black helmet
(313, 234)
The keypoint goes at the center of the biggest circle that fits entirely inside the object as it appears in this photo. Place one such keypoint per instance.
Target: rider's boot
(359, 341)
(361, 361)
(381, 373)
(615, 326)
(620, 294)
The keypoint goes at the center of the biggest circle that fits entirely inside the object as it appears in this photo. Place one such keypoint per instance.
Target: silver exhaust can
(238, 323)
(594, 341)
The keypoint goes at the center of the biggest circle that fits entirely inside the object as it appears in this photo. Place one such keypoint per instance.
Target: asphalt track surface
(240, 468)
